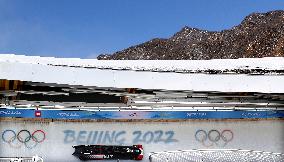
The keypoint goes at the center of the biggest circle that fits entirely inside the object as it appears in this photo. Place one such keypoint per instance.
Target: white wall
(265, 135)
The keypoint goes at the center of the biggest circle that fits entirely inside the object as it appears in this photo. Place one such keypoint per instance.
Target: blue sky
(86, 28)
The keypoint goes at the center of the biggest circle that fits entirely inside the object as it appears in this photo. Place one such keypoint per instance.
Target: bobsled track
(55, 138)
(176, 109)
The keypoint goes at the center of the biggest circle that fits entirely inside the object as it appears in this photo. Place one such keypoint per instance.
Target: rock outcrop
(258, 35)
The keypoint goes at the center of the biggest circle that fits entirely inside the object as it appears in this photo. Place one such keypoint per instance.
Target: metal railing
(21, 159)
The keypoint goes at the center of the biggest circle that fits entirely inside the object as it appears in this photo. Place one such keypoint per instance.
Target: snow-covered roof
(268, 63)
(182, 75)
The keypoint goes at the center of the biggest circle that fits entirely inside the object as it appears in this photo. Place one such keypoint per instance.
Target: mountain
(258, 35)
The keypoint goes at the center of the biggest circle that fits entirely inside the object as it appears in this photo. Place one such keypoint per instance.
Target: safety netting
(218, 155)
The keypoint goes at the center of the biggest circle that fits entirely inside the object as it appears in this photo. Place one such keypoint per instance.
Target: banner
(84, 114)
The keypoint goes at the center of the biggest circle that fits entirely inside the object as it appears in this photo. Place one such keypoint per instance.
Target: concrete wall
(264, 135)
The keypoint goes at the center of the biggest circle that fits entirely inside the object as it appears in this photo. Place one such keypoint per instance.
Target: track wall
(264, 135)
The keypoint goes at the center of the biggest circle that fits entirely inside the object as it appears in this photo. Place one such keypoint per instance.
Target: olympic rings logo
(23, 137)
(213, 136)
